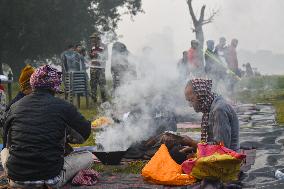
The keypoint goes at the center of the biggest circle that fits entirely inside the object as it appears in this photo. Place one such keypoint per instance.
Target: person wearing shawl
(24, 83)
(35, 134)
(219, 121)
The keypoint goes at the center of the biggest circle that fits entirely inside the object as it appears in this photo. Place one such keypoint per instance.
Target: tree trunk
(199, 35)
(200, 38)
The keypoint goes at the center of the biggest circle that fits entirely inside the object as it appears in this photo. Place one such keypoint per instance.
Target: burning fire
(101, 121)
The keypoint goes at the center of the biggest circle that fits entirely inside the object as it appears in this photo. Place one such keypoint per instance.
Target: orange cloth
(162, 169)
(25, 76)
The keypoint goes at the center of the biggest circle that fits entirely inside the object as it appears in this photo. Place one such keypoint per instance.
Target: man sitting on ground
(219, 121)
(35, 135)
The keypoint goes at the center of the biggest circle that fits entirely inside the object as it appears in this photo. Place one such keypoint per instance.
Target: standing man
(213, 65)
(99, 56)
(70, 63)
(221, 48)
(70, 60)
(82, 56)
(249, 71)
(231, 57)
(195, 59)
(183, 67)
(210, 57)
(119, 64)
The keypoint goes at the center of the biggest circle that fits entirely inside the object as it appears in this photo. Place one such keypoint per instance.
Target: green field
(265, 89)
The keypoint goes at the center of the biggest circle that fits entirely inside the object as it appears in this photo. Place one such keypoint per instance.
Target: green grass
(263, 82)
(265, 89)
(134, 167)
(280, 111)
(189, 130)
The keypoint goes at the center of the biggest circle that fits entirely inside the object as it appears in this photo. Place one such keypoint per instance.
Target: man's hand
(187, 141)
(68, 149)
(170, 140)
(73, 137)
(189, 152)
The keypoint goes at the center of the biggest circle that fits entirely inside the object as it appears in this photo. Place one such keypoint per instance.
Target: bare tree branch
(211, 18)
(201, 17)
(197, 24)
(189, 3)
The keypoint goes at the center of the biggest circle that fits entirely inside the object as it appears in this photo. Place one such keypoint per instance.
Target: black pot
(110, 158)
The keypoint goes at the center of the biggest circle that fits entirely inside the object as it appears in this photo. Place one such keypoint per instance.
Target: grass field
(265, 89)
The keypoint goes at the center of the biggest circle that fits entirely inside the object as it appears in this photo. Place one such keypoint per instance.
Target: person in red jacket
(194, 58)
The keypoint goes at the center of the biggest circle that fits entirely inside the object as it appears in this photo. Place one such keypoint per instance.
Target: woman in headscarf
(24, 83)
(35, 132)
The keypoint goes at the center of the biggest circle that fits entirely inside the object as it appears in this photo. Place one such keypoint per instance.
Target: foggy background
(166, 29)
(256, 23)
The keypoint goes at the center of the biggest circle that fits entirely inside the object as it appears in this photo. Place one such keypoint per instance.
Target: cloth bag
(86, 177)
(214, 161)
(162, 169)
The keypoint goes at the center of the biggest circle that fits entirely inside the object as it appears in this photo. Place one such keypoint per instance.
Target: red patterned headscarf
(46, 77)
(202, 88)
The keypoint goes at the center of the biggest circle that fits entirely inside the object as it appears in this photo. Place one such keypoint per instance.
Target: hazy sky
(258, 24)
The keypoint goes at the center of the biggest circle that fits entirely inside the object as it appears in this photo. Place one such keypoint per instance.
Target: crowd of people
(38, 127)
(217, 62)
(220, 61)
(76, 58)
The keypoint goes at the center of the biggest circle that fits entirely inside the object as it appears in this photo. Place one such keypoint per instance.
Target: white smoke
(157, 87)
